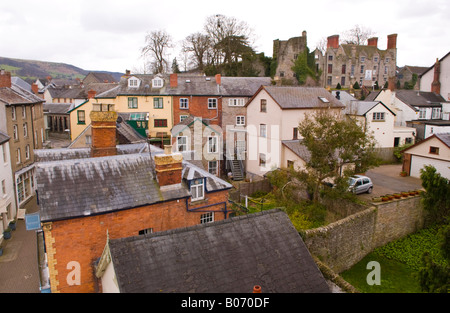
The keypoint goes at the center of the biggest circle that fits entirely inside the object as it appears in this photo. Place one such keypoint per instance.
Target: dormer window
(133, 82)
(157, 82)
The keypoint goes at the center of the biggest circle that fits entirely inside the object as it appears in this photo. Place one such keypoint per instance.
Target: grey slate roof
(445, 138)
(18, 96)
(58, 108)
(228, 256)
(72, 184)
(302, 97)
(416, 98)
(243, 86)
(362, 107)
(3, 138)
(298, 148)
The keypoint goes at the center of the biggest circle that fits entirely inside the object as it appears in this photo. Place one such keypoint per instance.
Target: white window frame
(378, 116)
(262, 160)
(18, 156)
(422, 113)
(213, 144)
(27, 152)
(436, 113)
(25, 130)
(133, 82)
(207, 218)
(24, 112)
(15, 132)
(212, 103)
(240, 120)
(236, 102)
(197, 189)
(13, 113)
(157, 82)
(183, 145)
(184, 103)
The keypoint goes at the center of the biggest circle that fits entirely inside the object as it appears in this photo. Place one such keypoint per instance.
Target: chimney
(436, 84)
(174, 80)
(391, 83)
(168, 167)
(333, 42)
(34, 88)
(5, 78)
(91, 94)
(392, 41)
(257, 289)
(373, 42)
(103, 125)
(218, 79)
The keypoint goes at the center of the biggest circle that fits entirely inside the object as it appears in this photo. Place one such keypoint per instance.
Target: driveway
(387, 180)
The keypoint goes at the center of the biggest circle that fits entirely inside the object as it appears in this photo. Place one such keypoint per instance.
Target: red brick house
(117, 193)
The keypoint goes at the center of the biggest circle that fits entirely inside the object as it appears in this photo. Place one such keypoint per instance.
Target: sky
(100, 35)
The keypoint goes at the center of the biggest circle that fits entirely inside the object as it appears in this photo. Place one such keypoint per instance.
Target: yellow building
(143, 101)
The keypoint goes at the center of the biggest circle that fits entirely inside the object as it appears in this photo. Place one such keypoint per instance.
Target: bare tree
(198, 45)
(357, 35)
(156, 44)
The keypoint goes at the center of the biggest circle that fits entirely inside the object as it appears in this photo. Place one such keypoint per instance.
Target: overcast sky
(108, 35)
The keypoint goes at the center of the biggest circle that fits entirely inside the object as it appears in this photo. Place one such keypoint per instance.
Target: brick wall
(198, 106)
(83, 239)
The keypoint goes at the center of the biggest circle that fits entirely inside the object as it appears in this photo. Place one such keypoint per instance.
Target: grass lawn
(395, 276)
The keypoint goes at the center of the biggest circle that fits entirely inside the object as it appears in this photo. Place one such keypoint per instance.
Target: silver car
(360, 184)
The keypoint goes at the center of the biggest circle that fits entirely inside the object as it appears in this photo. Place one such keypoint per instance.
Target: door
(240, 150)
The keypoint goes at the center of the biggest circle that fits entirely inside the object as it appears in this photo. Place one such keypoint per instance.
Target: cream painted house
(273, 116)
(439, 75)
(434, 150)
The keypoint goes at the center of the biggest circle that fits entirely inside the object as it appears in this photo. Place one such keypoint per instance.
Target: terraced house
(22, 113)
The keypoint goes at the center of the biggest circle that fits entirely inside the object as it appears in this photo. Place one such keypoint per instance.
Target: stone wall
(342, 244)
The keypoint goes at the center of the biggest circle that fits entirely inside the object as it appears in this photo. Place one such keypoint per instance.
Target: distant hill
(30, 70)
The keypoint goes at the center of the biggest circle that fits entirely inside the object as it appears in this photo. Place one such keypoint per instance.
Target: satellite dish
(119, 119)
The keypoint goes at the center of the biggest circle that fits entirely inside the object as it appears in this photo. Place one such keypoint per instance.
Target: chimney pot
(218, 79)
(257, 289)
(34, 88)
(333, 42)
(5, 79)
(91, 94)
(373, 42)
(392, 41)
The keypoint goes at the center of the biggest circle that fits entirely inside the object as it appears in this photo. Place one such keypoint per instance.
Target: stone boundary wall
(344, 243)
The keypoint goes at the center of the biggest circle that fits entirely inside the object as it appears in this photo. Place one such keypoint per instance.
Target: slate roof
(18, 96)
(301, 97)
(444, 137)
(58, 108)
(3, 138)
(362, 107)
(243, 86)
(416, 98)
(298, 148)
(228, 256)
(72, 184)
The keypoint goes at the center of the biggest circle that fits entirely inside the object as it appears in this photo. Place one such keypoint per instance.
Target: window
(262, 160)
(212, 144)
(5, 158)
(344, 68)
(330, 58)
(290, 164)
(408, 140)
(385, 70)
(13, 113)
(197, 191)
(138, 116)
(88, 140)
(182, 143)
(263, 130)
(330, 68)
(184, 103)
(207, 218)
(378, 116)
(263, 106)
(16, 132)
(342, 81)
(27, 152)
(132, 103)
(158, 103)
(387, 60)
(329, 78)
(422, 113)
(160, 123)
(183, 117)
(434, 150)
(18, 155)
(436, 113)
(363, 59)
(157, 82)
(81, 117)
(236, 102)
(240, 120)
(212, 167)
(25, 130)
(133, 82)
(4, 188)
(295, 133)
(352, 70)
(212, 103)
(146, 231)
(362, 69)
(24, 112)
(375, 59)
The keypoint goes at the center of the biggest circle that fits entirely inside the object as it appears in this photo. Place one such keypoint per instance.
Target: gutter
(200, 209)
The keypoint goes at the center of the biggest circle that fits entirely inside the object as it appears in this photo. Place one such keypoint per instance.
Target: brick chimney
(103, 125)
(333, 42)
(373, 42)
(91, 94)
(436, 84)
(391, 83)
(34, 88)
(5, 79)
(392, 41)
(173, 80)
(168, 167)
(218, 79)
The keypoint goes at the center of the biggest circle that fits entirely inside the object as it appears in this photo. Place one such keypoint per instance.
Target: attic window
(133, 82)
(324, 100)
(157, 82)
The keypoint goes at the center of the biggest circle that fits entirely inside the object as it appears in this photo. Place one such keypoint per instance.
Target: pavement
(19, 271)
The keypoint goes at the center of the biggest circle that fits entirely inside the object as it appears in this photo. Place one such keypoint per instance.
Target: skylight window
(324, 100)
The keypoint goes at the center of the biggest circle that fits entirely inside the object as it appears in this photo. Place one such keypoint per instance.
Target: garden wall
(344, 243)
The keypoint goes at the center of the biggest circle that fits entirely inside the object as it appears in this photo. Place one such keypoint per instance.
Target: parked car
(360, 184)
